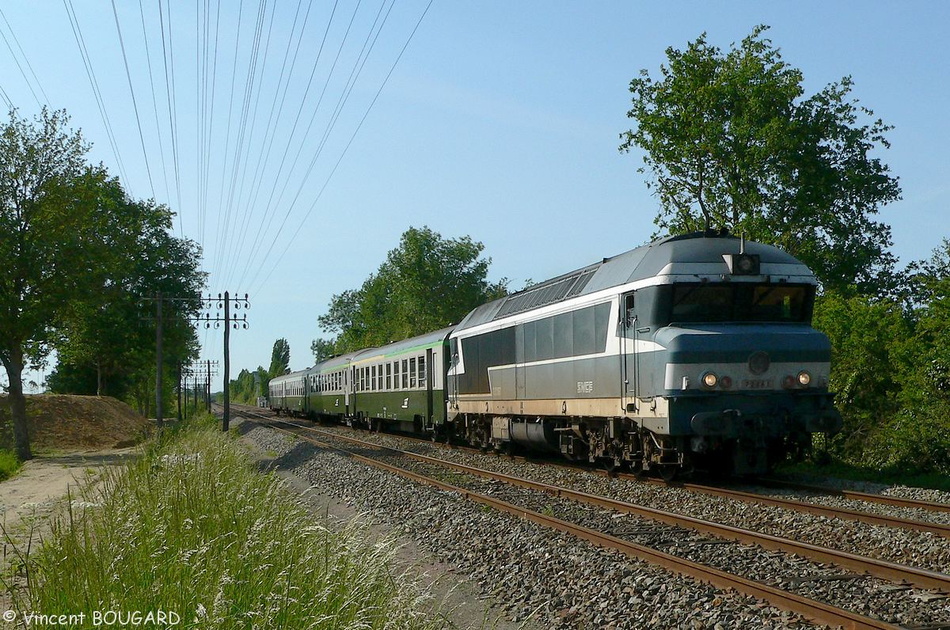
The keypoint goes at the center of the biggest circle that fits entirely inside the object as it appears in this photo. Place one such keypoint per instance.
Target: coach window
(422, 371)
(389, 376)
(412, 373)
(374, 379)
(405, 373)
(396, 374)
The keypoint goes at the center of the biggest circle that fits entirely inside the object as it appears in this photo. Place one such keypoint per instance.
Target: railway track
(796, 504)
(831, 512)
(783, 598)
(868, 497)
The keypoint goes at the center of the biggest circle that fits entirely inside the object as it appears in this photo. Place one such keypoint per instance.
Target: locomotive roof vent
(742, 264)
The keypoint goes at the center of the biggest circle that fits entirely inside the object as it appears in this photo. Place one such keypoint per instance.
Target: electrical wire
(26, 60)
(90, 72)
(326, 182)
(135, 106)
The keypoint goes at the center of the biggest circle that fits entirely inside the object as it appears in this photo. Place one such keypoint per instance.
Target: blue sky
(500, 121)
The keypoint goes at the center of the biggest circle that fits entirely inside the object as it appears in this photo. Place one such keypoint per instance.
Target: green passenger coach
(400, 386)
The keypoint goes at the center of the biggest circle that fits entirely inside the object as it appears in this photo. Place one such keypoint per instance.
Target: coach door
(429, 423)
(347, 387)
(629, 364)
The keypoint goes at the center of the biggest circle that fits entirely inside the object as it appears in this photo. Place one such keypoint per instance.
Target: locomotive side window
(629, 313)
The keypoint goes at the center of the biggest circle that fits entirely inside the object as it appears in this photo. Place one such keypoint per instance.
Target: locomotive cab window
(739, 302)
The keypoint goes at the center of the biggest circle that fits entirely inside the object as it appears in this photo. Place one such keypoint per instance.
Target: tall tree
(51, 242)
(109, 336)
(426, 283)
(322, 350)
(279, 358)
(731, 142)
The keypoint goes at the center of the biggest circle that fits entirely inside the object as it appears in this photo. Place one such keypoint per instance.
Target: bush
(917, 441)
(9, 464)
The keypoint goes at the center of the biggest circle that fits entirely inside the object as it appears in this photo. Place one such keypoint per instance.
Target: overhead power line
(26, 60)
(90, 72)
(135, 105)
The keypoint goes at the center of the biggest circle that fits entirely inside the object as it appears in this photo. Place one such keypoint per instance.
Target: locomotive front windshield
(740, 302)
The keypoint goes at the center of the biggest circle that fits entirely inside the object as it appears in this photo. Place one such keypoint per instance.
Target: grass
(9, 464)
(844, 470)
(192, 528)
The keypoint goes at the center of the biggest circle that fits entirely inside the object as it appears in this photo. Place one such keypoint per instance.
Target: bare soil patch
(61, 423)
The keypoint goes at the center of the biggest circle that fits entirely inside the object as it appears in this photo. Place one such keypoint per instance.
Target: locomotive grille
(547, 293)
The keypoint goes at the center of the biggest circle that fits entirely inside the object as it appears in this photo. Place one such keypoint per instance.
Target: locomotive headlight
(710, 380)
(804, 378)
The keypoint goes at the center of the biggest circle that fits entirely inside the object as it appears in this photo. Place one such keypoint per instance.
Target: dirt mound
(58, 422)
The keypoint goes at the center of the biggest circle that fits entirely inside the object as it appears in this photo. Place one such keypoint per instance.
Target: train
(691, 353)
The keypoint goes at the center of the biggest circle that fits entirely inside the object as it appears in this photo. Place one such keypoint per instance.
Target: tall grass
(191, 528)
(9, 464)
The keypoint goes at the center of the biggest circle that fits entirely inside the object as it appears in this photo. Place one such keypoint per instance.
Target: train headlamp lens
(710, 380)
(804, 378)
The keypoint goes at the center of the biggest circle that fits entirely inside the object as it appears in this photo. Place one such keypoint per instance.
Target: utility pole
(228, 320)
(201, 373)
(180, 416)
(159, 359)
(159, 406)
(209, 365)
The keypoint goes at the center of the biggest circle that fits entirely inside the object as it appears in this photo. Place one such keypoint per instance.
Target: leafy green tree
(279, 358)
(426, 283)
(870, 343)
(52, 222)
(929, 283)
(322, 350)
(731, 142)
(112, 335)
(248, 386)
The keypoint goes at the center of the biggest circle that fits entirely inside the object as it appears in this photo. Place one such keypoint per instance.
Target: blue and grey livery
(686, 353)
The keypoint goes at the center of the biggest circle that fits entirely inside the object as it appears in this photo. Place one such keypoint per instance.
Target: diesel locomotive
(692, 352)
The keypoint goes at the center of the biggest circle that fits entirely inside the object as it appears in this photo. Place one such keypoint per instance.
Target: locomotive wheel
(668, 473)
(636, 467)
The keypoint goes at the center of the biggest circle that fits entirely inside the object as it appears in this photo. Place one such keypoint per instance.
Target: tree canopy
(426, 283)
(74, 249)
(279, 358)
(108, 345)
(731, 142)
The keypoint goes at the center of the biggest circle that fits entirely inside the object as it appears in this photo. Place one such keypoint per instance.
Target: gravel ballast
(531, 573)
